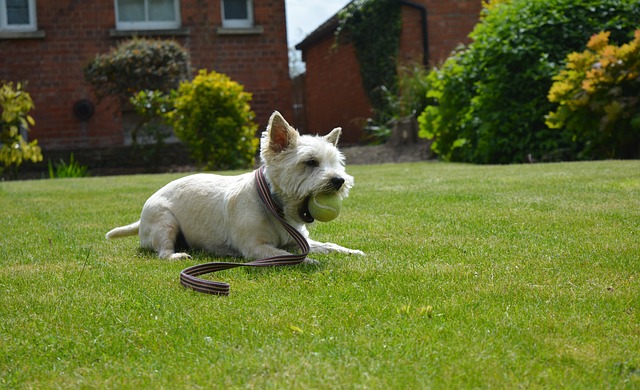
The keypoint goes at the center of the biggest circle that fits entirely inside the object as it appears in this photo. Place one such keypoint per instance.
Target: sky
(304, 16)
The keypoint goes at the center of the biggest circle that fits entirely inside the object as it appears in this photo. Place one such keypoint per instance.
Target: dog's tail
(124, 231)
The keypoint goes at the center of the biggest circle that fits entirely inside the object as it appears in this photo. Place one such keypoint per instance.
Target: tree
(138, 65)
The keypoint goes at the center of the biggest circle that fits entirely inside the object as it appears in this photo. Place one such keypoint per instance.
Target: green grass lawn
(476, 276)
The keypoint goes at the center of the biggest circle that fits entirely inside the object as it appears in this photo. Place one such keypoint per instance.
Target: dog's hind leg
(166, 247)
(161, 235)
(167, 251)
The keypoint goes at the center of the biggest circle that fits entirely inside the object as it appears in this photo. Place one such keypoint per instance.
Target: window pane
(18, 12)
(131, 10)
(235, 9)
(161, 10)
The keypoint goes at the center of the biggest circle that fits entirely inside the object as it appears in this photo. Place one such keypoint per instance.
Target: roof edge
(325, 29)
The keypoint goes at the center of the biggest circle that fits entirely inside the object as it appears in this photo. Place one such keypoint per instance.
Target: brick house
(47, 43)
(334, 95)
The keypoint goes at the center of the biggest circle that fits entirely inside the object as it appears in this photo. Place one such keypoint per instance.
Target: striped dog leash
(189, 276)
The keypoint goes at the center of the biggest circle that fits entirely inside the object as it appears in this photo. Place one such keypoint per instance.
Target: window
(18, 15)
(237, 13)
(147, 14)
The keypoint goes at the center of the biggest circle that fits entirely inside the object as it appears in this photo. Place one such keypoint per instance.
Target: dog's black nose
(337, 182)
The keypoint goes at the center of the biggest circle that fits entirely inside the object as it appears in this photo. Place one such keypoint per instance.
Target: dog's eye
(312, 163)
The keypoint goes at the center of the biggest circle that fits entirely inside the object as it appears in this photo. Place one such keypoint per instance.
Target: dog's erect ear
(334, 136)
(281, 135)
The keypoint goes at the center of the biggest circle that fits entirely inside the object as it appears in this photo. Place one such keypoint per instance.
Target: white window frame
(4, 22)
(149, 25)
(238, 23)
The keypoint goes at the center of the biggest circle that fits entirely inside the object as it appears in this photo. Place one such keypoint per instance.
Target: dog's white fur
(224, 215)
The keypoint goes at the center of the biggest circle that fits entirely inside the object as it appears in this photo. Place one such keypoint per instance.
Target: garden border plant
(16, 103)
(62, 169)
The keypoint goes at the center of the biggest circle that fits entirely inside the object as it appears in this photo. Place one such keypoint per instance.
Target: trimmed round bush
(137, 65)
(212, 116)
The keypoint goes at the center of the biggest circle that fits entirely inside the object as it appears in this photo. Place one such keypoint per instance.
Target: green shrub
(152, 108)
(136, 65)
(213, 117)
(14, 150)
(489, 100)
(409, 100)
(152, 128)
(598, 98)
(63, 169)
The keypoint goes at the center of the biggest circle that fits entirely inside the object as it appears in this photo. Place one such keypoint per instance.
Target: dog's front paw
(328, 247)
(180, 256)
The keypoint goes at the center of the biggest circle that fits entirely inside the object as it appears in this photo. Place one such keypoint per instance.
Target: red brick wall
(450, 23)
(76, 31)
(259, 62)
(52, 67)
(334, 92)
(411, 43)
(335, 97)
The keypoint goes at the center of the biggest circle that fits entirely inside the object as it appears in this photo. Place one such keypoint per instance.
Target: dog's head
(300, 166)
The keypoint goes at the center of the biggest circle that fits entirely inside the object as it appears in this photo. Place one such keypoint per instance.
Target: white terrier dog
(224, 215)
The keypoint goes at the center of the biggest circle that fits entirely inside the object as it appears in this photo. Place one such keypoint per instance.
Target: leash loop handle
(189, 276)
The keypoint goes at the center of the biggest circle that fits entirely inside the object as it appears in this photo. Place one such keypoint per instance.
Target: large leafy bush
(599, 98)
(489, 100)
(403, 105)
(137, 65)
(15, 104)
(213, 117)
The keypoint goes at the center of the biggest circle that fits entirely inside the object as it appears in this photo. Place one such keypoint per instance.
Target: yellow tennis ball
(325, 207)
